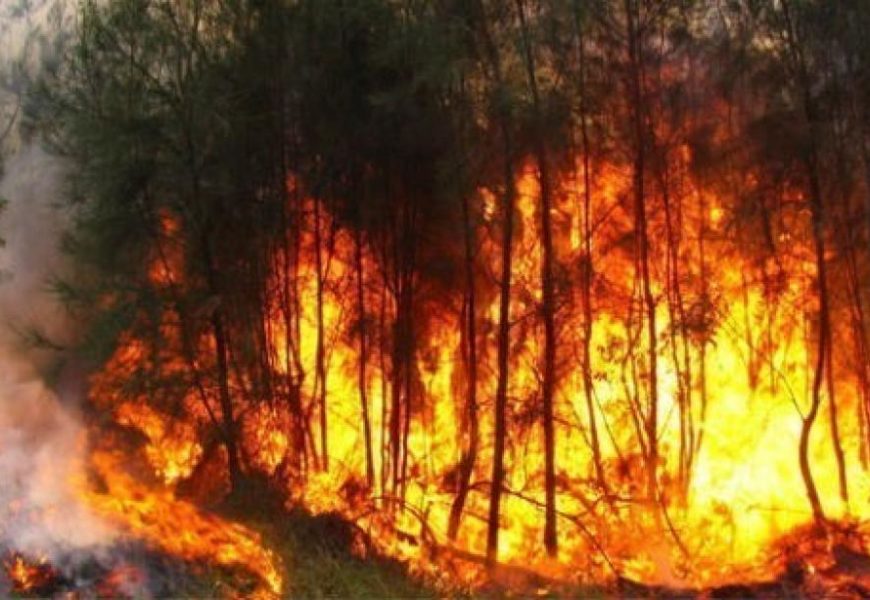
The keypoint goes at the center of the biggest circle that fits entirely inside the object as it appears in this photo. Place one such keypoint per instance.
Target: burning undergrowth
(178, 528)
(74, 519)
(103, 532)
(125, 570)
(151, 544)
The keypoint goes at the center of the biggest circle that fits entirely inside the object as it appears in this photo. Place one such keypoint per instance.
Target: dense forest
(577, 286)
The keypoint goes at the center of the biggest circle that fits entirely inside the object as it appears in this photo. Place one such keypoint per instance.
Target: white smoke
(31, 33)
(42, 441)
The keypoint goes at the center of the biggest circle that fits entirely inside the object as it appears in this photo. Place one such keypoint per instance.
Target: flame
(27, 576)
(177, 527)
(747, 320)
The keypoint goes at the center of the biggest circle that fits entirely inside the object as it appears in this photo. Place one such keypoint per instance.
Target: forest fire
(528, 297)
(728, 491)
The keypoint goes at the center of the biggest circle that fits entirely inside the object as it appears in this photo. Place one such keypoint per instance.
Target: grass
(319, 563)
(316, 553)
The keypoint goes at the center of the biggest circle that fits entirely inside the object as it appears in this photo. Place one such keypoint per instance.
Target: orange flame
(27, 576)
(747, 321)
(178, 528)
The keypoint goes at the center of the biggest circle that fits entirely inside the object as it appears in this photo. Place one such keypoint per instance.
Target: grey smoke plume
(42, 441)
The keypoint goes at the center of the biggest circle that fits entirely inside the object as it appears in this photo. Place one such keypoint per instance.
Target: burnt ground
(124, 570)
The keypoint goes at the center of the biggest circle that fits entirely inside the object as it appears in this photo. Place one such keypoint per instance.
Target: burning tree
(484, 277)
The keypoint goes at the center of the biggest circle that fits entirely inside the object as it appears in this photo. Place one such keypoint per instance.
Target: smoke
(32, 33)
(42, 441)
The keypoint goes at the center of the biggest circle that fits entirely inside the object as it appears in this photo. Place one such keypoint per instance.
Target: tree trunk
(469, 454)
(382, 361)
(320, 361)
(817, 213)
(363, 358)
(498, 473)
(219, 336)
(229, 425)
(587, 269)
(548, 384)
(635, 53)
(503, 344)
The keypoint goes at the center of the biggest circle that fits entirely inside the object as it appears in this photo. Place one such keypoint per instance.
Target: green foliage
(321, 553)
(163, 120)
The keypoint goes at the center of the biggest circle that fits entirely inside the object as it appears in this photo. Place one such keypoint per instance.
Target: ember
(30, 577)
(128, 569)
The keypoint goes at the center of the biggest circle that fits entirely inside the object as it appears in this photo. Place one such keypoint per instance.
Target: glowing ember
(28, 576)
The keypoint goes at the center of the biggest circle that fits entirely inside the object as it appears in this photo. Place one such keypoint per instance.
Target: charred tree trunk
(363, 357)
(382, 361)
(408, 379)
(222, 374)
(320, 352)
(498, 473)
(469, 454)
(635, 85)
(396, 398)
(821, 351)
(678, 328)
(287, 272)
(502, 118)
(402, 375)
(587, 267)
(548, 385)
(409, 265)
(817, 212)
(229, 424)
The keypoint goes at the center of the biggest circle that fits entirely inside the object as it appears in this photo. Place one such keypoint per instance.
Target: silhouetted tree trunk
(469, 453)
(817, 212)
(382, 362)
(634, 38)
(222, 371)
(548, 383)
(508, 201)
(498, 473)
(320, 351)
(363, 355)
(587, 269)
